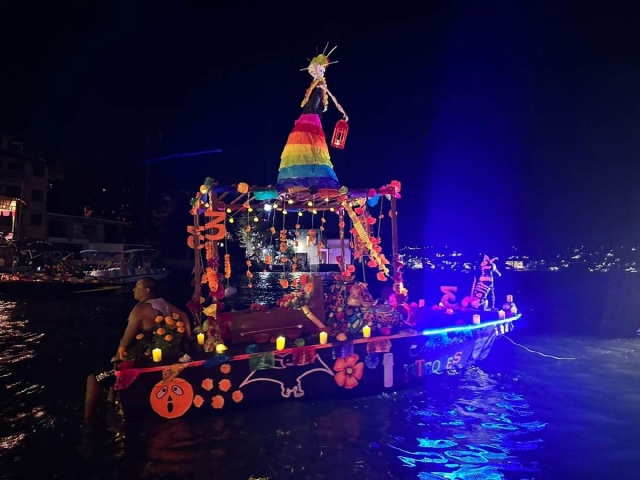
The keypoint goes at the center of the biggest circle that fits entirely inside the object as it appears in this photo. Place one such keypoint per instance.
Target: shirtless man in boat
(141, 320)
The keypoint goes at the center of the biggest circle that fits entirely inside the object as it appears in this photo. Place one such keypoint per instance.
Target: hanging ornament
(227, 266)
(249, 274)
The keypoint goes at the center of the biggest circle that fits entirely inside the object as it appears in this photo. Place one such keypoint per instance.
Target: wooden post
(197, 267)
(394, 232)
(341, 220)
(213, 205)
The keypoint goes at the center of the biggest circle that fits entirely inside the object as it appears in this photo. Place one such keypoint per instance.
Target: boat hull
(42, 288)
(340, 370)
(128, 278)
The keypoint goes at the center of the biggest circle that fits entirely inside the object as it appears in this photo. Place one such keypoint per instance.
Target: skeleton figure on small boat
(482, 287)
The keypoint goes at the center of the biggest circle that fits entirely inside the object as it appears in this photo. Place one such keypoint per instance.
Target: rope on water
(539, 353)
(563, 358)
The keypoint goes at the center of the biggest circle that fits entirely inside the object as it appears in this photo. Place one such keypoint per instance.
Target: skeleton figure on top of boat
(482, 288)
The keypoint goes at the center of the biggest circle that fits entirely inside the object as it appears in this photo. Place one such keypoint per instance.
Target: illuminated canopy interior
(256, 197)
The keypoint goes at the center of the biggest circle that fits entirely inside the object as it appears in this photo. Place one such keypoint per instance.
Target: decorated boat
(333, 336)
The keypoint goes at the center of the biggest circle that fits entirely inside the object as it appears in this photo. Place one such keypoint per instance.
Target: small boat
(314, 344)
(40, 269)
(128, 266)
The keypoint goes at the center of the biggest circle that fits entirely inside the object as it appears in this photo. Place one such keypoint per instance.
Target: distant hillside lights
(619, 259)
(515, 264)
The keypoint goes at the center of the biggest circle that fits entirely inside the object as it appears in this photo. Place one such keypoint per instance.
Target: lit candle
(200, 338)
(366, 331)
(421, 303)
(501, 314)
(510, 298)
(514, 310)
(476, 319)
(323, 338)
(157, 354)
(220, 348)
(280, 343)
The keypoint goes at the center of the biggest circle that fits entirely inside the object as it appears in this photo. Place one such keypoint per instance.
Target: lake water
(564, 407)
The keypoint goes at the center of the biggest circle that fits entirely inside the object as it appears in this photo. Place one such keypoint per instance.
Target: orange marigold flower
(159, 319)
(348, 371)
(217, 402)
(170, 321)
(225, 385)
(181, 330)
(161, 331)
(168, 338)
(139, 336)
(198, 401)
(180, 324)
(237, 396)
(175, 316)
(207, 384)
(225, 368)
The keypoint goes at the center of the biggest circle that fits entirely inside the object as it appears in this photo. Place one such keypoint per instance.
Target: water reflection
(476, 430)
(17, 348)
(266, 287)
(474, 426)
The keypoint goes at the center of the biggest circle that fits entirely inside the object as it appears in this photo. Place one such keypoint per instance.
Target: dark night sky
(501, 120)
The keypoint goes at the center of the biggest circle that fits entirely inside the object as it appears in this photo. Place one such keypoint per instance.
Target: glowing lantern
(340, 134)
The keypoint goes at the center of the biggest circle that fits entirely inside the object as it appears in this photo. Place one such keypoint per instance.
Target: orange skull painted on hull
(171, 399)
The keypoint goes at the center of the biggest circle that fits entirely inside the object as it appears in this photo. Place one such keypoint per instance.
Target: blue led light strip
(493, 323)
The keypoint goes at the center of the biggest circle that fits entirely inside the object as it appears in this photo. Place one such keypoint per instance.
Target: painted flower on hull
(348, 371)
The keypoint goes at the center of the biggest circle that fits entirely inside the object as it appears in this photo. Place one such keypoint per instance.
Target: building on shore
(25, 182)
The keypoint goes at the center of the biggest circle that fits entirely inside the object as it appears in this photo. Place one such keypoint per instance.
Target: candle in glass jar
(280, 343)
(323, 338)
(501, 314)
(510, 298)
(476, 319)
(200, 338)
(514, 310)
(366, 331)
(157, 354)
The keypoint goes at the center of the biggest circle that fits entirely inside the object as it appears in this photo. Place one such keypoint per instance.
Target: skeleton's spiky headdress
(321, 60)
